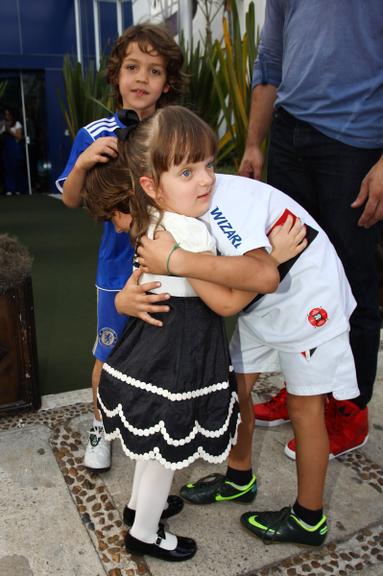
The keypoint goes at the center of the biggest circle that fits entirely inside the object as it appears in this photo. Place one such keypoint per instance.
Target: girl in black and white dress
(167, 393)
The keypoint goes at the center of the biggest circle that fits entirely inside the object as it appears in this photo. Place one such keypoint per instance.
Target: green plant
(87, 95)
(202, 94)
(232, 79)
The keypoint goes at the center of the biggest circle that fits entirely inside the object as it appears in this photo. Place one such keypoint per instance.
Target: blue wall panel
(47, 27)
(35, 35)
(10, 29)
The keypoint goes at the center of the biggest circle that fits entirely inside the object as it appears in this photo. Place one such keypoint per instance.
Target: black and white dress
(169, 393)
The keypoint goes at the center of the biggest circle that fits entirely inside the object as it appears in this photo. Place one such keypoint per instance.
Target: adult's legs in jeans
(324, 176)
(357, 249)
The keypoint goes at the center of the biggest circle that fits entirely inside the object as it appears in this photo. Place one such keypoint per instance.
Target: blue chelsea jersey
(115, 254)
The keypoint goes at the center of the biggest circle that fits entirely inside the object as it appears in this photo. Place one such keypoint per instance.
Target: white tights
(151, 487)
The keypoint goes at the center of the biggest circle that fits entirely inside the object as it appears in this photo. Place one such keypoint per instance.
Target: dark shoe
(174, 507)
(186, 548)
(284, 526)
(216, 488)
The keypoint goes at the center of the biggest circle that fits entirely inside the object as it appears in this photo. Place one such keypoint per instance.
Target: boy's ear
(148, 186)
(116, 216)
(166, 88)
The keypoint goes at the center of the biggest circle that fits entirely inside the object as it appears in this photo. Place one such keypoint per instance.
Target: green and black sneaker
(284, 526)
(216, 488)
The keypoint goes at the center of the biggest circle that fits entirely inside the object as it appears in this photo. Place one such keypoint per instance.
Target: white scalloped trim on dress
(174, 397)
(155, 454)
(160, 426)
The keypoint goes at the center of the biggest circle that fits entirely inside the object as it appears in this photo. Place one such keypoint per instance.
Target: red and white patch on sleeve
(317, 317)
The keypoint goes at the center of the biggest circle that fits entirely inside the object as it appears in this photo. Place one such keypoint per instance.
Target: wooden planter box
(19, 387)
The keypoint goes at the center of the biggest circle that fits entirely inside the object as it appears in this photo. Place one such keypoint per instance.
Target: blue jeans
(324, 176)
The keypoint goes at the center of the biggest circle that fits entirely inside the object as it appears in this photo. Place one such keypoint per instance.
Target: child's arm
(223, 300)
(287, 241)
(256, 273)
(135, 299)
(101, 150)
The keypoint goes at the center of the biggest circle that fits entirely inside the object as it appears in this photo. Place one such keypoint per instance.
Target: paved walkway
(57, 518)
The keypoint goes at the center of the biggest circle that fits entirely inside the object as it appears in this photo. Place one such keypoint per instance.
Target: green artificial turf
(64, 245)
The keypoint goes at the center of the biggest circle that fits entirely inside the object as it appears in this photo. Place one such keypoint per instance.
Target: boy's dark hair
(149, 37)
(110, 187)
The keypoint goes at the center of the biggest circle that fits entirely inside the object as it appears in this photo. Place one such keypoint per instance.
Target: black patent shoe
(175, 505)
(185, 549)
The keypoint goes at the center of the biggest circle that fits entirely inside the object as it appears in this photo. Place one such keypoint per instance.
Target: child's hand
(153, 253)
(288, 240)
(133, 300)
(102, 150)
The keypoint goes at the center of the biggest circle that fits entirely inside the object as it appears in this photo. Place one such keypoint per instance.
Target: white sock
(97, 423)
(152, 493)
(169, 542)
(138, 471)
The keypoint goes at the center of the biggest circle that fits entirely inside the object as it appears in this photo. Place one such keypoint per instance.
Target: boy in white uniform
(300, 329)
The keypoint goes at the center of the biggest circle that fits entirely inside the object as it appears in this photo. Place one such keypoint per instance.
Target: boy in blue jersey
(145, 71)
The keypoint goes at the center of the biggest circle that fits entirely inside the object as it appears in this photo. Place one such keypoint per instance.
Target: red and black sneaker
(274, 412)
(347, 427)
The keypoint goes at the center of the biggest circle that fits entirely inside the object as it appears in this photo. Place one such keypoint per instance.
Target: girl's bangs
(191, 145)
(180, 137)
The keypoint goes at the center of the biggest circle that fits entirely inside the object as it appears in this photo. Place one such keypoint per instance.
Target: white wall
(259, 6)
(144, 10)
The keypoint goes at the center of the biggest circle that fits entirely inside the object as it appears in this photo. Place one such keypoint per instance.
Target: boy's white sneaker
(98, 450)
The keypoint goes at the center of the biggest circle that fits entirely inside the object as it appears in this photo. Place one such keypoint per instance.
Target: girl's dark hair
(150, 38)
(171, 136)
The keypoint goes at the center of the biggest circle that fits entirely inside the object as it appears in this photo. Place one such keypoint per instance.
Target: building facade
(36, 35)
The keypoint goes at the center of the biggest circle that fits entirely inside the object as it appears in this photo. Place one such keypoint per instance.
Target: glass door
(23, 169)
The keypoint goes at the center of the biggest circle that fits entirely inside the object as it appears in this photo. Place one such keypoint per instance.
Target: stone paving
(58, 518)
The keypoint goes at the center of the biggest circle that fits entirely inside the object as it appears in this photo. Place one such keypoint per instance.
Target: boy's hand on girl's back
(101, 150)
(288, 240)
(153, 254)
(133, 300)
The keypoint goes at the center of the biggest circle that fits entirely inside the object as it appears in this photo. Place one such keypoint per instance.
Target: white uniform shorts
(328, 368)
